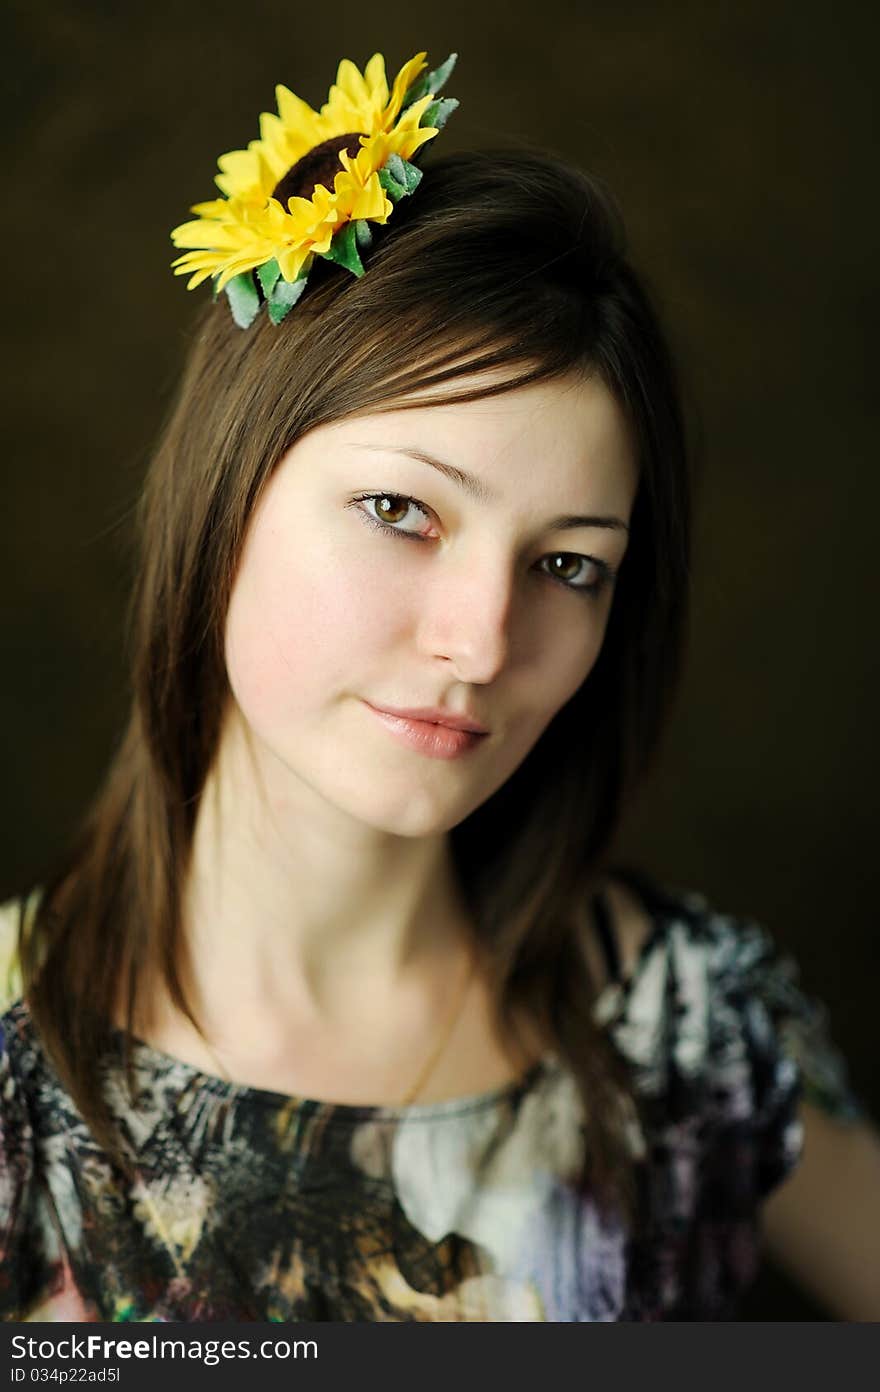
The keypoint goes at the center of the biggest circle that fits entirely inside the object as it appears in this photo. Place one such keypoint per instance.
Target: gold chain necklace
(433, 1058)
(143, 1190)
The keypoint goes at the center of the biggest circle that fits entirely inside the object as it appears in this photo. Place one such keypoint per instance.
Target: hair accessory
(312, 184)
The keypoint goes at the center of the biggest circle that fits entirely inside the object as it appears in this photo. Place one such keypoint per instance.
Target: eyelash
(591, 591)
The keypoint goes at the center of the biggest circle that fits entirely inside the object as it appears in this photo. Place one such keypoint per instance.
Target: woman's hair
(512, 262)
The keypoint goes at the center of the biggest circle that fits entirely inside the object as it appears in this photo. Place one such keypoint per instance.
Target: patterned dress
(253, 1205)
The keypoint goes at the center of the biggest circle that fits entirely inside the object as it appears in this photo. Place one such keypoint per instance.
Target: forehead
(563, 430)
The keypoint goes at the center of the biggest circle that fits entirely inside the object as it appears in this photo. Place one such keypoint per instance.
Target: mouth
(432, 737)
(435, 715)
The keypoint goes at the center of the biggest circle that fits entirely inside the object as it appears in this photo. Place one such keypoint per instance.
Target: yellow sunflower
(311, 184)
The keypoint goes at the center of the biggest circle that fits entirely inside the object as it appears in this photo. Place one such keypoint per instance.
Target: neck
(290, 903)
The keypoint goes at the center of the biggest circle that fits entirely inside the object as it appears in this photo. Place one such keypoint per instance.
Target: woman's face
(480, 583)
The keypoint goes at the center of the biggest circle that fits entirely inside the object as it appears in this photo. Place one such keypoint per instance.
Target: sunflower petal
(189, 233)
(321, 237)
(201, 234)
(407, 142)
(298, 116)
(402, 83)
(272, 128)
(197, 279)
(212, 209)
(291, 260)
(196, 260)
(350, 81)
(235, 267)
(377, 82)
(199, 270)
(412, 117)
(205, 235)
(368, 159)
(363, 201)
(239, 174)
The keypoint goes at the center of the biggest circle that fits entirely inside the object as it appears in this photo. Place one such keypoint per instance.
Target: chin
(401, 807)
(417, 817)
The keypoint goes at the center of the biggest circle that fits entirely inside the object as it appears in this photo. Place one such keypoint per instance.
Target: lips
(429, 737)
(435, 715)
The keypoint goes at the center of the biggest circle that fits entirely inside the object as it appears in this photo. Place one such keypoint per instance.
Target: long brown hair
(505, 260)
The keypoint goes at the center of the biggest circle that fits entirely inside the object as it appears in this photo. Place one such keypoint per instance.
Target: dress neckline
(194, 1078)
(610, 1003)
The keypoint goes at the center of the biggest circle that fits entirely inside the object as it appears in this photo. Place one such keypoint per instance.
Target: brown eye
(565, 566)
(572, 570)
(388, 510)
(391, 508)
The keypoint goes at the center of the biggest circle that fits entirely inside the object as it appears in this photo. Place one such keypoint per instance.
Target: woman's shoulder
(16, 1130)
(14, 913)
(640, 919)
(663, 931)
(706, 993)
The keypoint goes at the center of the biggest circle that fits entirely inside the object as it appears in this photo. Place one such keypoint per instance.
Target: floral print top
(252, 1205)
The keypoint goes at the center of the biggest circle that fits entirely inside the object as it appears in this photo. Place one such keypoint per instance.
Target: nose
(465, 615)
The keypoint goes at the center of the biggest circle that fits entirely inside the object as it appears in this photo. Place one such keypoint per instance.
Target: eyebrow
(483, 494)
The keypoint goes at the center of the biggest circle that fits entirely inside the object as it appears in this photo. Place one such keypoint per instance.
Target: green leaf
(284, 296)
(438, 113)
(405, 174)
(438, 79)
(243, 298)
(343, 250)
(268, 274)
(391, 186)
(363, 234)
(429, 82)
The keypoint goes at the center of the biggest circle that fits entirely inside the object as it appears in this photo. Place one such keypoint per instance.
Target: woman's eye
(389, 510)
(574, 571)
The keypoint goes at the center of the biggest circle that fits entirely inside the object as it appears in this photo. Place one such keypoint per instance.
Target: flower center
(318, 166)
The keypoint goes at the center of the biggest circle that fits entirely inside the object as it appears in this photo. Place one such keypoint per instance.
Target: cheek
(570, 658)
(304, 620)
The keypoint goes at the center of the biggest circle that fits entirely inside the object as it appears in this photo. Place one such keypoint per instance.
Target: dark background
(741, 142)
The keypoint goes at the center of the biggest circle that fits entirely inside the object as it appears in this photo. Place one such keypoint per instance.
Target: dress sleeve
(803, 1031)
(787, 1046)
(16, 1185)
(16, 1131)
(724, 1043)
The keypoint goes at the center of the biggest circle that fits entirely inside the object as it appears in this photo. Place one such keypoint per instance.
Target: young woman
(337, 1009)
